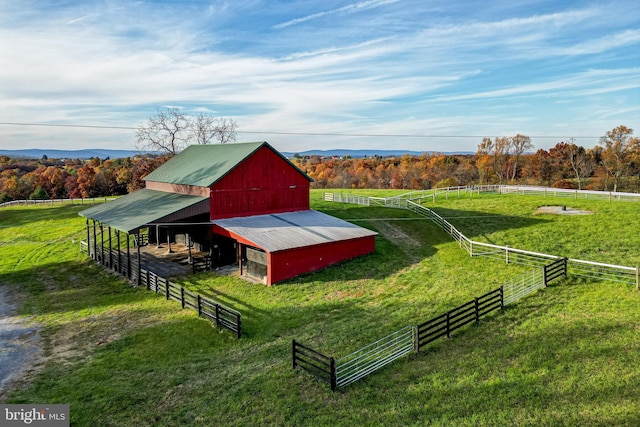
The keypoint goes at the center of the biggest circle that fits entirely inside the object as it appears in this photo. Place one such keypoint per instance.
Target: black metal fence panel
(317, 364)
(555, 270)
(444, 324)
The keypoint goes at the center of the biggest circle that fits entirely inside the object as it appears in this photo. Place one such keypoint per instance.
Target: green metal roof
(145, 206)
(204, 165)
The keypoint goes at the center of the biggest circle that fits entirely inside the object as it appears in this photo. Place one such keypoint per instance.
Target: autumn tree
(518, 145)
(580, 161)
(498, 153)
(617, 144)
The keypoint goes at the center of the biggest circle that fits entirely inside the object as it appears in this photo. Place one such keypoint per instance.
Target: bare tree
(166, 132)
(206, 129)
(170, 131)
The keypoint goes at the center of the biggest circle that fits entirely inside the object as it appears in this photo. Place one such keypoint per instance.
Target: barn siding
(286, 264)
(263, 183)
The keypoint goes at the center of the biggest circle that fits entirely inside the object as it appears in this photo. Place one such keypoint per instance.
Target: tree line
(612, 165)
(73, 178)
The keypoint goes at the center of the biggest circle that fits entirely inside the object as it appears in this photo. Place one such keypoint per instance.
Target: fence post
(502, 297)
(544, 276)
(448, 324)
(471, 247)
(239, 323)
(148, 282)
(182, 296)
(477, 307)
(506, 251)
(166, 288)
(637, 277)
(217, 314)
(293, 353)
(199, 306)
(334, 379)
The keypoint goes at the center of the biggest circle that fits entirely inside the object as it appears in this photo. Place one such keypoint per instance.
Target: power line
(66, 126)
(355, 135)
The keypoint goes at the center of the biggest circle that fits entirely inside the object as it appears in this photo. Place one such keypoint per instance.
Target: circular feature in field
(561, 210)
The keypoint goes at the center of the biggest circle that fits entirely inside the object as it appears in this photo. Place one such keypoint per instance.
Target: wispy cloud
(348, 9)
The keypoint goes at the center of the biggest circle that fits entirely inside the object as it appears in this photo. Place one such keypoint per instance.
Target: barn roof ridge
(195, 165)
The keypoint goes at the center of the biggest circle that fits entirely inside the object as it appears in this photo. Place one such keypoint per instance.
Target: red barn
(244, 203)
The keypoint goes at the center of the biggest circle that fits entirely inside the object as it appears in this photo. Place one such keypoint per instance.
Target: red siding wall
(263, 183)
(286, 264)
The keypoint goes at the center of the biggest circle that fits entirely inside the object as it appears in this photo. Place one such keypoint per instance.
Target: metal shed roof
(204, 165)
(133, 211)
(282, 231)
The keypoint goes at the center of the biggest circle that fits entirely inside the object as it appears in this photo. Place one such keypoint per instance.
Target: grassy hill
(120, 356)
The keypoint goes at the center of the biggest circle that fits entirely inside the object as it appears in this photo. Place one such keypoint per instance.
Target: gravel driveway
(19, 341)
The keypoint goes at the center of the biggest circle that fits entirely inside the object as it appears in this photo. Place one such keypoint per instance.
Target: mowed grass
(119, 356)
(609, 234)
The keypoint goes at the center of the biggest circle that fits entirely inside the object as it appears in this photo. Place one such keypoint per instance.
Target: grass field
(567, 355)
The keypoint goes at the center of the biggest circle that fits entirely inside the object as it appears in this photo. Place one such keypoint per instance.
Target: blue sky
(415, 75)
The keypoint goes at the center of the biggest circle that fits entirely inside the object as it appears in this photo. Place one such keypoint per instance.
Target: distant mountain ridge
(38, 153)
(365, 153)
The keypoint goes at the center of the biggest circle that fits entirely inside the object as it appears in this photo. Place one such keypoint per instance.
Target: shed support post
(240, 257)
(128, 257)
(101, 244)
(110, 248)
(95, 242)
(157, 236)
(88, 239)
(138, 273)
(119, 254)
(169, 240)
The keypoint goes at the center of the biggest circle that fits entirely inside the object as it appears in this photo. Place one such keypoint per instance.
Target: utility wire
(361, 135)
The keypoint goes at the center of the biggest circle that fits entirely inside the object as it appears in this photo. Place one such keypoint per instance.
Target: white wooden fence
(92, 200)
(588, 269)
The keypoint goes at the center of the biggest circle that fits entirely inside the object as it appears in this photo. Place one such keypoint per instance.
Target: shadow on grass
(474, 223)
(66, 287)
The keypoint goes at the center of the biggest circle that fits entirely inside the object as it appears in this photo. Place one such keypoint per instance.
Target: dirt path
(19, 341)
(399, 238)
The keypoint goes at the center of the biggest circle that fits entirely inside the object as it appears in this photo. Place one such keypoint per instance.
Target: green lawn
(567, 355)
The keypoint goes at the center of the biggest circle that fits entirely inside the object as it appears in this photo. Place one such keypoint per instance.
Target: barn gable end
(263, 183)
